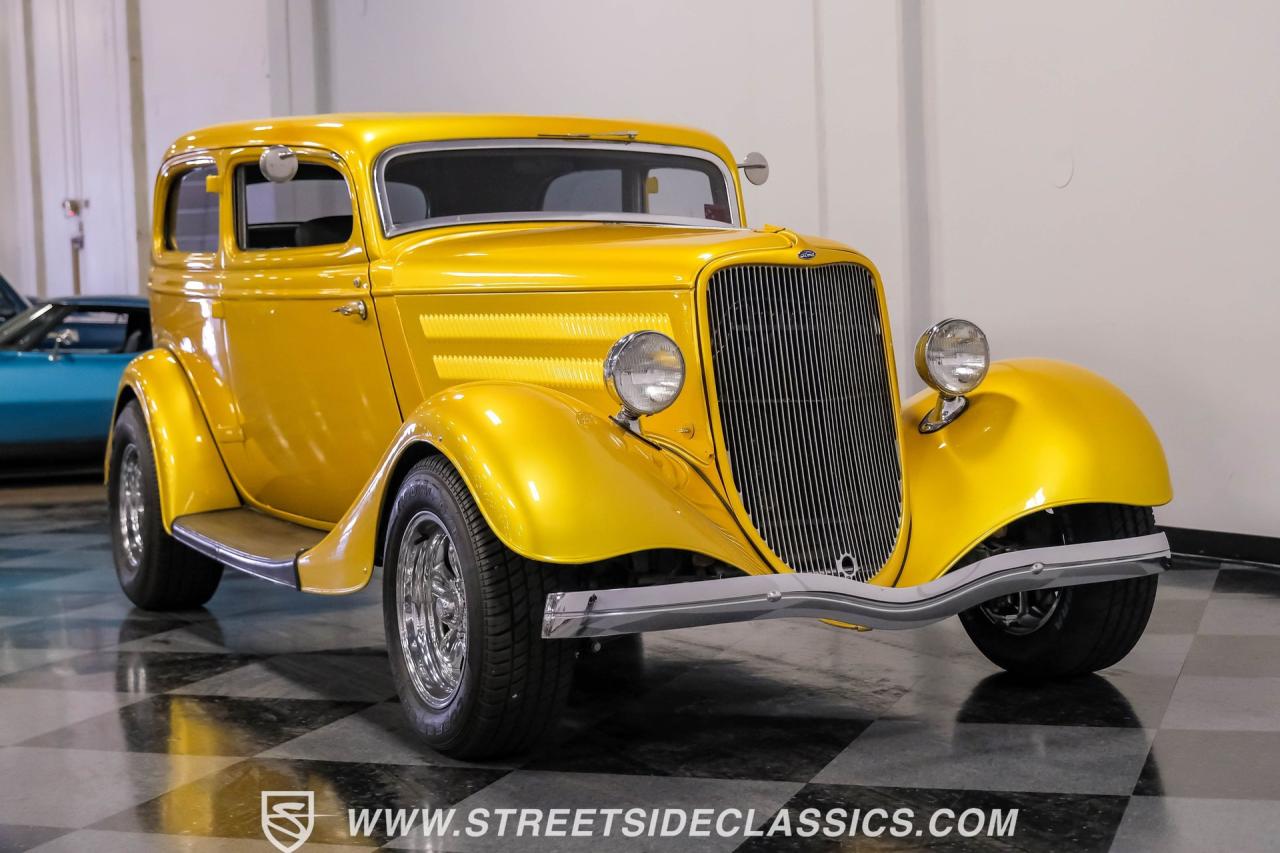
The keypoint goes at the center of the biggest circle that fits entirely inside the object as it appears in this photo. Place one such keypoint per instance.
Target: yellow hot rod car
(542, 374)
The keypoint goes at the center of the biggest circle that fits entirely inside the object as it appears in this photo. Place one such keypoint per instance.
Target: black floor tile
(12, 579)
(126, 671)
(228, 803)
(7, 553)
(1050, 822)
(1090, 700)
(35, 603)
(72, 632)
(724, 747)
(1248, 579)
(199, 725)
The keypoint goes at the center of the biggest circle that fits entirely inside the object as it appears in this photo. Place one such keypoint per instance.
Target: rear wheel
(463, 616)
(156, 571)
(1072, 630)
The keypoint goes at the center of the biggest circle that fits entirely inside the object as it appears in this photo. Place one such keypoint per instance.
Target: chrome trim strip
(596, 613)
(391, 230)
(283, 572)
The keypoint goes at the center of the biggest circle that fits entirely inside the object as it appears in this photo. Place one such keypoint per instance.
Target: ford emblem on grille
(806, 254)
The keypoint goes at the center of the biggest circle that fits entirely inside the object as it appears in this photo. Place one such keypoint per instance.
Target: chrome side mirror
(755, 168)
(64, 338)
(278, 164)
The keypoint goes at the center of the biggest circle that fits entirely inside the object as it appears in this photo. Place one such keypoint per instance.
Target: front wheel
(463, 618)
(1071, 630)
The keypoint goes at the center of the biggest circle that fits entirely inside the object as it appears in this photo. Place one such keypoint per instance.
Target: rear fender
(189, 470)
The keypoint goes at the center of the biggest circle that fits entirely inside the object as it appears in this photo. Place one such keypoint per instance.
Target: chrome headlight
(644, 371)
(952, 357)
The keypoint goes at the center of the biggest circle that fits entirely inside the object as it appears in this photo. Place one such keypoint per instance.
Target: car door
(307, 369)
(62, 400)
(61, 395)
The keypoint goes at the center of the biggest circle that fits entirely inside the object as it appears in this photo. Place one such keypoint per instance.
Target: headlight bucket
(644, 371)
(952, 357)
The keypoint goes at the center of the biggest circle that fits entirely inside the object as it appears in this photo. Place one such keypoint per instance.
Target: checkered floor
(127, 731)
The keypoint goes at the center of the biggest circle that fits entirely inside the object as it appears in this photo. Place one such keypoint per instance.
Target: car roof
(362, 136)
(96, 301)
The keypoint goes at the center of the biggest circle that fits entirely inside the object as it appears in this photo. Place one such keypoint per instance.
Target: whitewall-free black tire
(156, 571)
(463, 618)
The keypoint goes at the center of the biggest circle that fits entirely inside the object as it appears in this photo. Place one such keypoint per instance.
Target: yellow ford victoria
(542, 374)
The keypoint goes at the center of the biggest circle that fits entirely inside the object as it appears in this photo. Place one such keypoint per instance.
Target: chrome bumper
(597, 613)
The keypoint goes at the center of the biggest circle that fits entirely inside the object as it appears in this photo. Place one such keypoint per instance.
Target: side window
(313, 209)
(592, 190)
(191, 214)
(95, 332)
(682, 192)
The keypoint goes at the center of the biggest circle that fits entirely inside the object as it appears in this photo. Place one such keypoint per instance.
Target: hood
(570, 256)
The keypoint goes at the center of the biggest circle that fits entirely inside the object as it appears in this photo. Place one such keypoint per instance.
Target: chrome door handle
(356, 307)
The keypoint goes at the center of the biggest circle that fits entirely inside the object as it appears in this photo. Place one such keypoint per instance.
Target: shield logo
(288, 818)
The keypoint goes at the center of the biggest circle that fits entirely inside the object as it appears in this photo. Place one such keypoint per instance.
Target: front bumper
(602, 612)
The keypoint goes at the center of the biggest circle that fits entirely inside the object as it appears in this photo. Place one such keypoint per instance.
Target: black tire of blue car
(162, 573)
(512, 684)
(1084, 628)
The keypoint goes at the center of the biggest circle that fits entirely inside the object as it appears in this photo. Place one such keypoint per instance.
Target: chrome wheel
(130, 507)
(431, 599)
(1023, 612)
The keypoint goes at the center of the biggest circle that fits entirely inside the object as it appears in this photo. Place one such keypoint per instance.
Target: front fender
(1037, 434)
(189, 470)
(555, 481)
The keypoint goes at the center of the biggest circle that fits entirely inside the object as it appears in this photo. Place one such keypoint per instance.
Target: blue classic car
(60, 363)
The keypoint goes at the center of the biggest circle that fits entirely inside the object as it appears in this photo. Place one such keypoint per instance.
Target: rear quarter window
(191, 213)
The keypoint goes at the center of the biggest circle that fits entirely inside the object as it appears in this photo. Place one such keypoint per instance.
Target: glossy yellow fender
(1037, 434)
(554, 480)
(192, 477)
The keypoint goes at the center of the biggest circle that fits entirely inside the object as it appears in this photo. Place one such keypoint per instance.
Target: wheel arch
(1038, 434)
(555, 481)
(189, 469)
(412, 454)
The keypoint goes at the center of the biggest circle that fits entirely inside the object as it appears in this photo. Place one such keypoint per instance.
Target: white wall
(700, 63)
(213, 68)
(83, 129)
(813, 85)
(17, 231)
(1155, 264)
(1090, 181)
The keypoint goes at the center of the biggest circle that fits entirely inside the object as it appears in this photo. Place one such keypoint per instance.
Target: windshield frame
(19, 325)
(389, 229)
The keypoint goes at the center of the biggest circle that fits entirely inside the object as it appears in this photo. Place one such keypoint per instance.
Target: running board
(249, 541)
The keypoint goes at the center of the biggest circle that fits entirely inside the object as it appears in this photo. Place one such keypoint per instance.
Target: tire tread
(1096, 625)
(172, 576)
(525, 680)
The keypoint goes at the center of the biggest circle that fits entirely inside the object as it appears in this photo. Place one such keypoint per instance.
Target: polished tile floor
(125, 731)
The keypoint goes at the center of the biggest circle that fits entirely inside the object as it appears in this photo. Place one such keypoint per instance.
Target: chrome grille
(807, 412)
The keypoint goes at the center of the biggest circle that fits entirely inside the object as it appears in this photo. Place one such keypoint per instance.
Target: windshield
(94, 329)
(448, 183)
